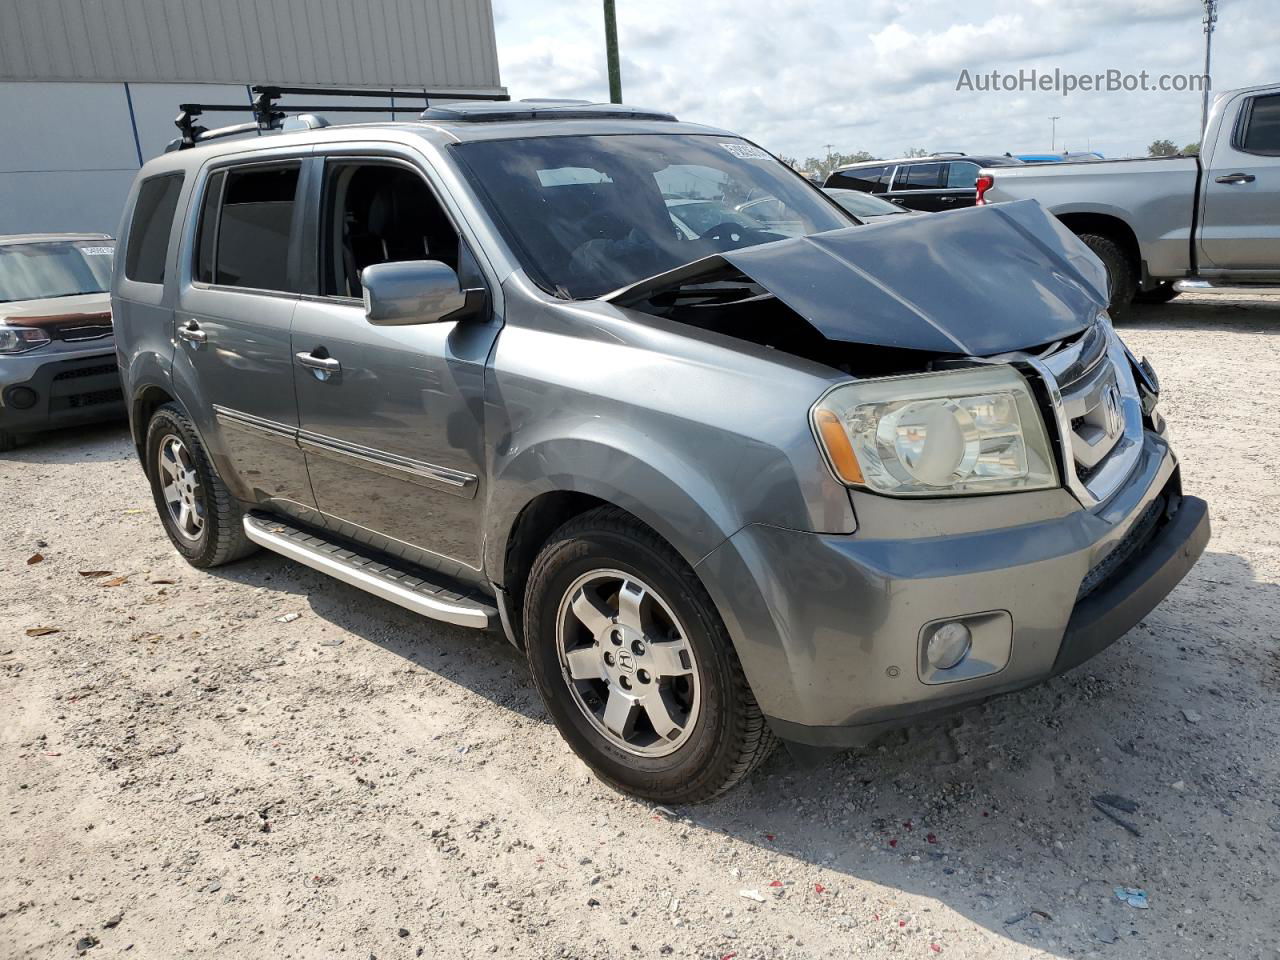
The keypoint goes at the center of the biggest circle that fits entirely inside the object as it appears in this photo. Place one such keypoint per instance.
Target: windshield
(63, 268)
(864, 204)
(588, 215)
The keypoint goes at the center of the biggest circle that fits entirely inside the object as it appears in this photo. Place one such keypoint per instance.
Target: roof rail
(270, 115)
(948, 153)
(540, 110)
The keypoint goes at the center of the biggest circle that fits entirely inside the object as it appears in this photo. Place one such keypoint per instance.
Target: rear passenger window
(253, 223)
(962, 175)
(208, 228)
(1262, 133)
(866, 179)
(919, 176)
(148, 243)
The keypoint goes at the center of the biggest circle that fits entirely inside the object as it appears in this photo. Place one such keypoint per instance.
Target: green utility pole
(611, 51)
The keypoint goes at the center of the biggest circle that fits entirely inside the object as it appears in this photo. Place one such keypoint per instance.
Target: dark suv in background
(942, 181)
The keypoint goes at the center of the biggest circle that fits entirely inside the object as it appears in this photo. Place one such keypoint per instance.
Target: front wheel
(635, 666)
(201, 517)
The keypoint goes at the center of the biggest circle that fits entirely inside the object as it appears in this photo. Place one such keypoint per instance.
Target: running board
(342, 562)
(1223, 286)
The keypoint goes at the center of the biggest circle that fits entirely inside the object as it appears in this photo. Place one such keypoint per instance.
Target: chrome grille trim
(1098, 413)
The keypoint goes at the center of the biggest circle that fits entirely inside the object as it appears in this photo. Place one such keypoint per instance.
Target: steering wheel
(729, 234)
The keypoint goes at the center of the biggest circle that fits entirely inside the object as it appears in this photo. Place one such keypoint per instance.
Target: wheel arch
(1107, 225)
(147, 399)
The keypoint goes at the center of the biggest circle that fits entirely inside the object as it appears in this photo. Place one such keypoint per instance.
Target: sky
(882, 75)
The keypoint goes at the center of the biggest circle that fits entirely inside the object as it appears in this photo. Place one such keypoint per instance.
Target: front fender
(680, 502)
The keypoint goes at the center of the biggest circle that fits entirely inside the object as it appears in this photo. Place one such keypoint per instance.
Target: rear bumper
(58, 392)
(831, 629)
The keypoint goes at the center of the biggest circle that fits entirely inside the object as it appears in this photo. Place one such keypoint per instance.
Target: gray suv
(723, 484)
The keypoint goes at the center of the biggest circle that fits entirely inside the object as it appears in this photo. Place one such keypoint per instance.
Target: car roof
(448, 125)
(51, 237)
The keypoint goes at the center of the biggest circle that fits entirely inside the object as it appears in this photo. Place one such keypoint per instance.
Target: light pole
(1210, 18)
(1053, 133)
(611, 52)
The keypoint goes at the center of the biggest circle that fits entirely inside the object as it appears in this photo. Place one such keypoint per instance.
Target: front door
(1239, 225)
(232, 325)
(391, 417)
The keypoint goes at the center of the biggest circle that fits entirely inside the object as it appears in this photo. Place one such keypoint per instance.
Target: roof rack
(948, 153)
(270, 115)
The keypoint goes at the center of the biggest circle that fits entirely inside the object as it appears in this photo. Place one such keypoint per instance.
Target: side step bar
(1224, 286)
(340, 561)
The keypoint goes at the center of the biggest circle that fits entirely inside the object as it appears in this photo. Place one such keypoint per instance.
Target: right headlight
(969, 431)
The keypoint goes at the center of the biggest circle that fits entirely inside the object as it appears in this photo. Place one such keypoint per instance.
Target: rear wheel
(635, 666)
(203, 520)
(1121, 279)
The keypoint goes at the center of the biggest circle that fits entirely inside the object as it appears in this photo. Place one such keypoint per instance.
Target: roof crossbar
(270, 115)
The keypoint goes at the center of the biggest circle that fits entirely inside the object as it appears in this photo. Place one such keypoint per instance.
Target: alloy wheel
(627, 662)
(180, 487)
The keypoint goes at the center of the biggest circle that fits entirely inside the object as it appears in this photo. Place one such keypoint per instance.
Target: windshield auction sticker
(744, 151)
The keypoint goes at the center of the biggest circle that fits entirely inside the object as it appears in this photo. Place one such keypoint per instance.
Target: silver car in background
(57, 356)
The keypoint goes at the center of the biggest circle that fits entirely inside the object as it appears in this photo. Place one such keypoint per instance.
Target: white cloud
(881, 75)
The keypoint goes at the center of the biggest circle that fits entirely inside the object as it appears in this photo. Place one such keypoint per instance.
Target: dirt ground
(185, 771)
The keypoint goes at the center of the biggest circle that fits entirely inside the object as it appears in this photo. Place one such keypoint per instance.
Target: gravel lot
(185, 771)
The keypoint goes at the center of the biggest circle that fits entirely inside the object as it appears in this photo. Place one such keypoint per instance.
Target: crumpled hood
(976, 281)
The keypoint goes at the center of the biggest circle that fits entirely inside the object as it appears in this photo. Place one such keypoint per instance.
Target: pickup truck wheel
(199, 514)
(634, 664)
(1161, 294)
(1120, 276)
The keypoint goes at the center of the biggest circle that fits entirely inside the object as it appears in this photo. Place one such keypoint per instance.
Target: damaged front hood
(978, 281)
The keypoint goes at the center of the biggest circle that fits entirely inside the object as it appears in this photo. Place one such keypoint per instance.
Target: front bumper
(829, 628)
(68, 390)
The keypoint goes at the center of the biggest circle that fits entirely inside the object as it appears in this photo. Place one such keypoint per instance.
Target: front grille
(1097, 411)
(77, 401)
(96, 370)
(1137, 537)
(96, 331)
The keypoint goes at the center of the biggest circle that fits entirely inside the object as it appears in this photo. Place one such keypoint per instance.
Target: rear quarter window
(149, 231)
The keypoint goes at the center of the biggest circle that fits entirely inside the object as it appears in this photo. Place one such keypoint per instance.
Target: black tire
(221, 539)
(1121, 278)
(8, 441)
(729, 737)
(1159, 294)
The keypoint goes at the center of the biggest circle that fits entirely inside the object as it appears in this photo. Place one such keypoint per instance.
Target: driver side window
(379, 213)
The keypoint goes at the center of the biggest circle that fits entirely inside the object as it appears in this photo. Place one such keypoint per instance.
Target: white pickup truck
(1165, 225)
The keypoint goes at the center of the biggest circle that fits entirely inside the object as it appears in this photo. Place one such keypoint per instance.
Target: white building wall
(89, 89)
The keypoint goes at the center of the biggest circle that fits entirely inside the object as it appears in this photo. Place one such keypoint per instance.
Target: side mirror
(416, 291)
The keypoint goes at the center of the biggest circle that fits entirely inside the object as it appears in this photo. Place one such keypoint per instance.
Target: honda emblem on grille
(1112, 411)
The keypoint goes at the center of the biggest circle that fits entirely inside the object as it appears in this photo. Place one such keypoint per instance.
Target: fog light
(22, 398)
(948, 646)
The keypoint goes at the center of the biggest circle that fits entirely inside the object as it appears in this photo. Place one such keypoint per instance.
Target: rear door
(1240, 215)
(234, 359)
(918, 186)
(959, 185)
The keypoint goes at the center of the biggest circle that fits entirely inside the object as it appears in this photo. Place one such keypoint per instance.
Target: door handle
(193, 334)
(324, 367)
(948, 199)
(1236, 178)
